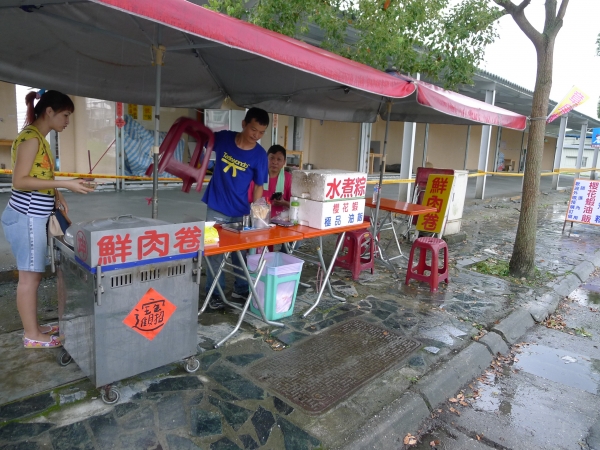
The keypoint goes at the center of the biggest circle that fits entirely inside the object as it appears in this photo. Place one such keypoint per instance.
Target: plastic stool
(190, 173)
(436, 273)
(357, 252)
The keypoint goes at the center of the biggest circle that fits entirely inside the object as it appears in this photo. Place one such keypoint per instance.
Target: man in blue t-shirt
(240, 159)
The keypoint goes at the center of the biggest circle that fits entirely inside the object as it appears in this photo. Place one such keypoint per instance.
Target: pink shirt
(287, 192)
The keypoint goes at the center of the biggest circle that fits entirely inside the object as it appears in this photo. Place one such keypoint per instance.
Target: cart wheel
(63, 358)
(110, 395)
(192, 364)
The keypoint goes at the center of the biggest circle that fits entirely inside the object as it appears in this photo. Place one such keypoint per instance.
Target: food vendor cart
(128, 296)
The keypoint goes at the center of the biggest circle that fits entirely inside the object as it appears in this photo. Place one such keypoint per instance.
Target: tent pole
(158, 60)
(382, 168)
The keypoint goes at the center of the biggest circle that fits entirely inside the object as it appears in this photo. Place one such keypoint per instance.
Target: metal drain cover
(325, 369)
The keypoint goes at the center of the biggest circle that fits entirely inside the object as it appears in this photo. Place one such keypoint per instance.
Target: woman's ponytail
(30, 115)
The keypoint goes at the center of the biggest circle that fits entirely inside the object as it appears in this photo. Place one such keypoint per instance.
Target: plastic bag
(260, 213)
(283, 215)
(211, 235)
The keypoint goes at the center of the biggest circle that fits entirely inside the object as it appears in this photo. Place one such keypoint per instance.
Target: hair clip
(39, 93)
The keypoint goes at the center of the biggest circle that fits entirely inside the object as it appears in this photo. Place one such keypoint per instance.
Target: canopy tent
(108, 49)
(103, 49)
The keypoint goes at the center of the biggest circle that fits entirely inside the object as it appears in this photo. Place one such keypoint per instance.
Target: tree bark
(522, 263)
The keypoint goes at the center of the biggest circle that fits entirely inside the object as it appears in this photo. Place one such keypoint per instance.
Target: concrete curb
(514, 326)
(543, 306)
(388, 428)
(449, 378)
(596, 259)
(494, 343)
(584, 270)
(567, 285)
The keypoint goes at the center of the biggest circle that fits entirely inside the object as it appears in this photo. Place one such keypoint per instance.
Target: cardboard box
(323, 215)
(328, 184)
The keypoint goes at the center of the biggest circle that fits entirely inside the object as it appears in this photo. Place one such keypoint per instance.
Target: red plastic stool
(357, 252)
(190, 173)
(436, 273)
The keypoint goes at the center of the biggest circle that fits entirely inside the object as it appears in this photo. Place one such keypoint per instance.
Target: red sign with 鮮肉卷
(138, 244)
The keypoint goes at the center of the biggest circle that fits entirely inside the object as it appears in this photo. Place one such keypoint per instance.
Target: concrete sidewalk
(229, 403)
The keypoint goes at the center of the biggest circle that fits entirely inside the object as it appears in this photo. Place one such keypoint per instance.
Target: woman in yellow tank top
(33, 198)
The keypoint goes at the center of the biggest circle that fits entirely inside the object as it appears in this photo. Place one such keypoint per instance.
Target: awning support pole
(425, 144)
(582, 136)
(559, 148)
(158, 61)
(484, 149)
(466, 147)
(382, 167)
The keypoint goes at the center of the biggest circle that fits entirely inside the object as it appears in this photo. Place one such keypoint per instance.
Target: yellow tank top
(43, 165)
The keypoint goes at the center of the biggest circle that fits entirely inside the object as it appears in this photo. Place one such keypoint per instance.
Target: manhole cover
(324, 370)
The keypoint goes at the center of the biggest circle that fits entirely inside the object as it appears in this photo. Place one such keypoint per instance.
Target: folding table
(309, 233)
(387, 223)
(230, 241)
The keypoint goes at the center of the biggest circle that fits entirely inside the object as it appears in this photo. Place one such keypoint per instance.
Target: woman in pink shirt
(279, 188)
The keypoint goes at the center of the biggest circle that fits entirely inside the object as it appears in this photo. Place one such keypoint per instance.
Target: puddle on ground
(578, 371)
(587, 295)
(524, 401)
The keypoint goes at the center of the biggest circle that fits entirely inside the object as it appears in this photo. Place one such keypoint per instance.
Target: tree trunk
(522, 263)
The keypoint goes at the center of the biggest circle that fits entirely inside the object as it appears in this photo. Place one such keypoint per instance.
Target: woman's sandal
(32, 343)
(53, 329)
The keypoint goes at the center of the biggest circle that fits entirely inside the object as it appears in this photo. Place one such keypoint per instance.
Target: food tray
(237, 227)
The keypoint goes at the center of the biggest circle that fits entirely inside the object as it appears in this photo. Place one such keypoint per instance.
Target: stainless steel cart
(128, 297)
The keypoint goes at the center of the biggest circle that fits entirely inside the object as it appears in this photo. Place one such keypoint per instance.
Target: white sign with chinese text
(584, 206)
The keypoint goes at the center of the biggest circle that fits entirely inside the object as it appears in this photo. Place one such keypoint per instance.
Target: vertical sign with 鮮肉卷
(437, 195)
(584, 206)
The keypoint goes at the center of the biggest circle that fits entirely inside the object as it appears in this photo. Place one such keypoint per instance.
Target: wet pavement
(226, 406)
(544, 395)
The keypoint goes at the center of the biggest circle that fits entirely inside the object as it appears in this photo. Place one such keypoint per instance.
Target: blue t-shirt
(234, 169)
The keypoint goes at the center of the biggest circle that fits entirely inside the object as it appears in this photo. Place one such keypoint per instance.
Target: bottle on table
(375, 193)
(294, 209)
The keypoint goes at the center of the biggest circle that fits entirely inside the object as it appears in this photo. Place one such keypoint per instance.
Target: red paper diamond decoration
(150, 315)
